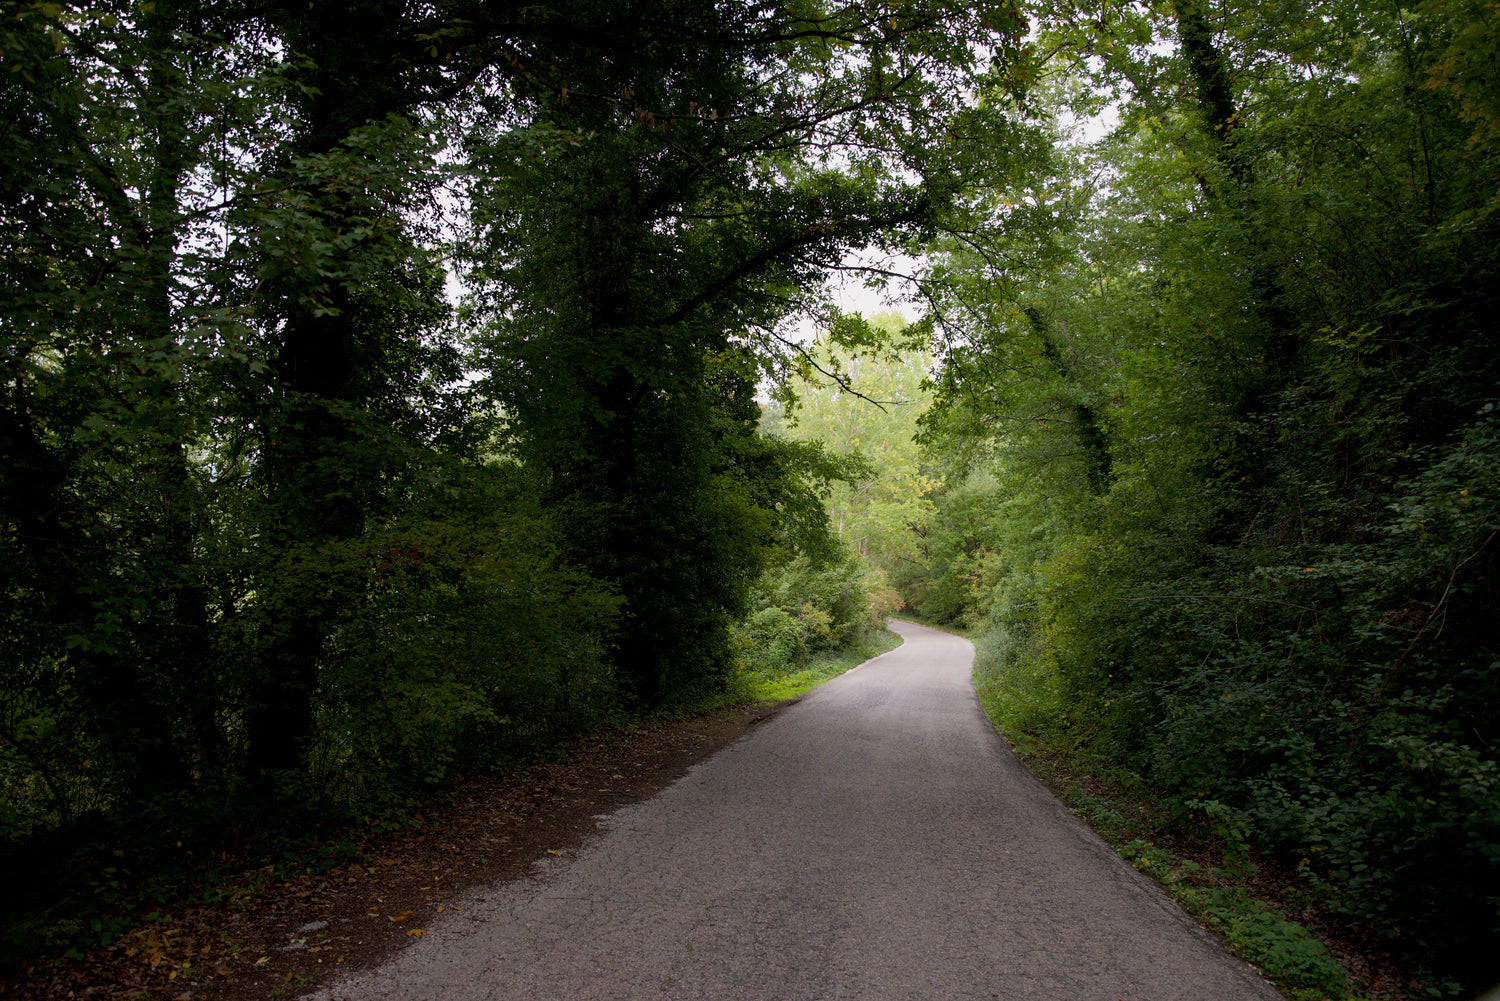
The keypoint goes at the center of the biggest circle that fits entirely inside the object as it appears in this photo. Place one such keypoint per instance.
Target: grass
(820, 668)
(1283, 951)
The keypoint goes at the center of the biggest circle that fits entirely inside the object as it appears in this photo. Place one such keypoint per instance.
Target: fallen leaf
(415, 933)
(401, 916)
(263, 959)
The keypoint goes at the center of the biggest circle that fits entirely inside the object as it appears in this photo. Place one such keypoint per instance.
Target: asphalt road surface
(874, 841)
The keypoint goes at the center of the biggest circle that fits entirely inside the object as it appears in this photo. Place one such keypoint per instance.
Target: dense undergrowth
(1328, 693)
(83, 885)
(820, 667)
(1220, 467)
(1204, 862)
(803, 612)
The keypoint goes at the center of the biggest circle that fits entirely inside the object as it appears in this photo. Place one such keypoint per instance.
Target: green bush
(460, 645)
(804, 608)
(772, 642)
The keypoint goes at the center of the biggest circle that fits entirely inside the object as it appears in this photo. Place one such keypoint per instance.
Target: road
(876, 840)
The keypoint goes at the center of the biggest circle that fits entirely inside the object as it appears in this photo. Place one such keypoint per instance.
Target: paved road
(874, 841)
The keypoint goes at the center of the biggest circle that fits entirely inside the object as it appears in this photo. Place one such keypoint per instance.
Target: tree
(1273, 302)
(873, 416)
(639, 230)
(115, 364)
(239, 440)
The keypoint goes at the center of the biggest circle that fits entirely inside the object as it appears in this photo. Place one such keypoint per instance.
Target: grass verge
(819, 669)
(1207, 872)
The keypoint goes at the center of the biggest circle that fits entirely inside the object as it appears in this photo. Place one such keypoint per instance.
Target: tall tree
(231, 377)
(644, 226)
(110, 378)
(1274, 295)
(874, 416)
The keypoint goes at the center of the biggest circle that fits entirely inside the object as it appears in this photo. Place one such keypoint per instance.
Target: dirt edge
(282, 939)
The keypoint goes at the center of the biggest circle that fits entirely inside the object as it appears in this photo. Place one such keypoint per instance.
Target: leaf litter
(263, 935)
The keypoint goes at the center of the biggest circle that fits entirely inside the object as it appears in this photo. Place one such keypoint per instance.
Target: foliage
(1210, 455)
(467, 648)
(1028, 706)
(819, 668)
(803, 609)
(286, 532)
(871, 414)
(1218, 468)
(634, 250)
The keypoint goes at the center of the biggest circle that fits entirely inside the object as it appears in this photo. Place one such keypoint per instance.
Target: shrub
(803, 608)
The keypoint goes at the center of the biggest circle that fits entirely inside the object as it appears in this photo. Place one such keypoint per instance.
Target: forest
(394, 390)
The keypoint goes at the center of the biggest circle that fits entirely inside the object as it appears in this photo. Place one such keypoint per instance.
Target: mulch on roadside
(281, 938)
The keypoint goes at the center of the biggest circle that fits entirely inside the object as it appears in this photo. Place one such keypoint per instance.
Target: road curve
(874, 841)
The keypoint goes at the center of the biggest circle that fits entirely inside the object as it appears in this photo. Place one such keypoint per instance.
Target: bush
(462, 647)
(804, 608)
